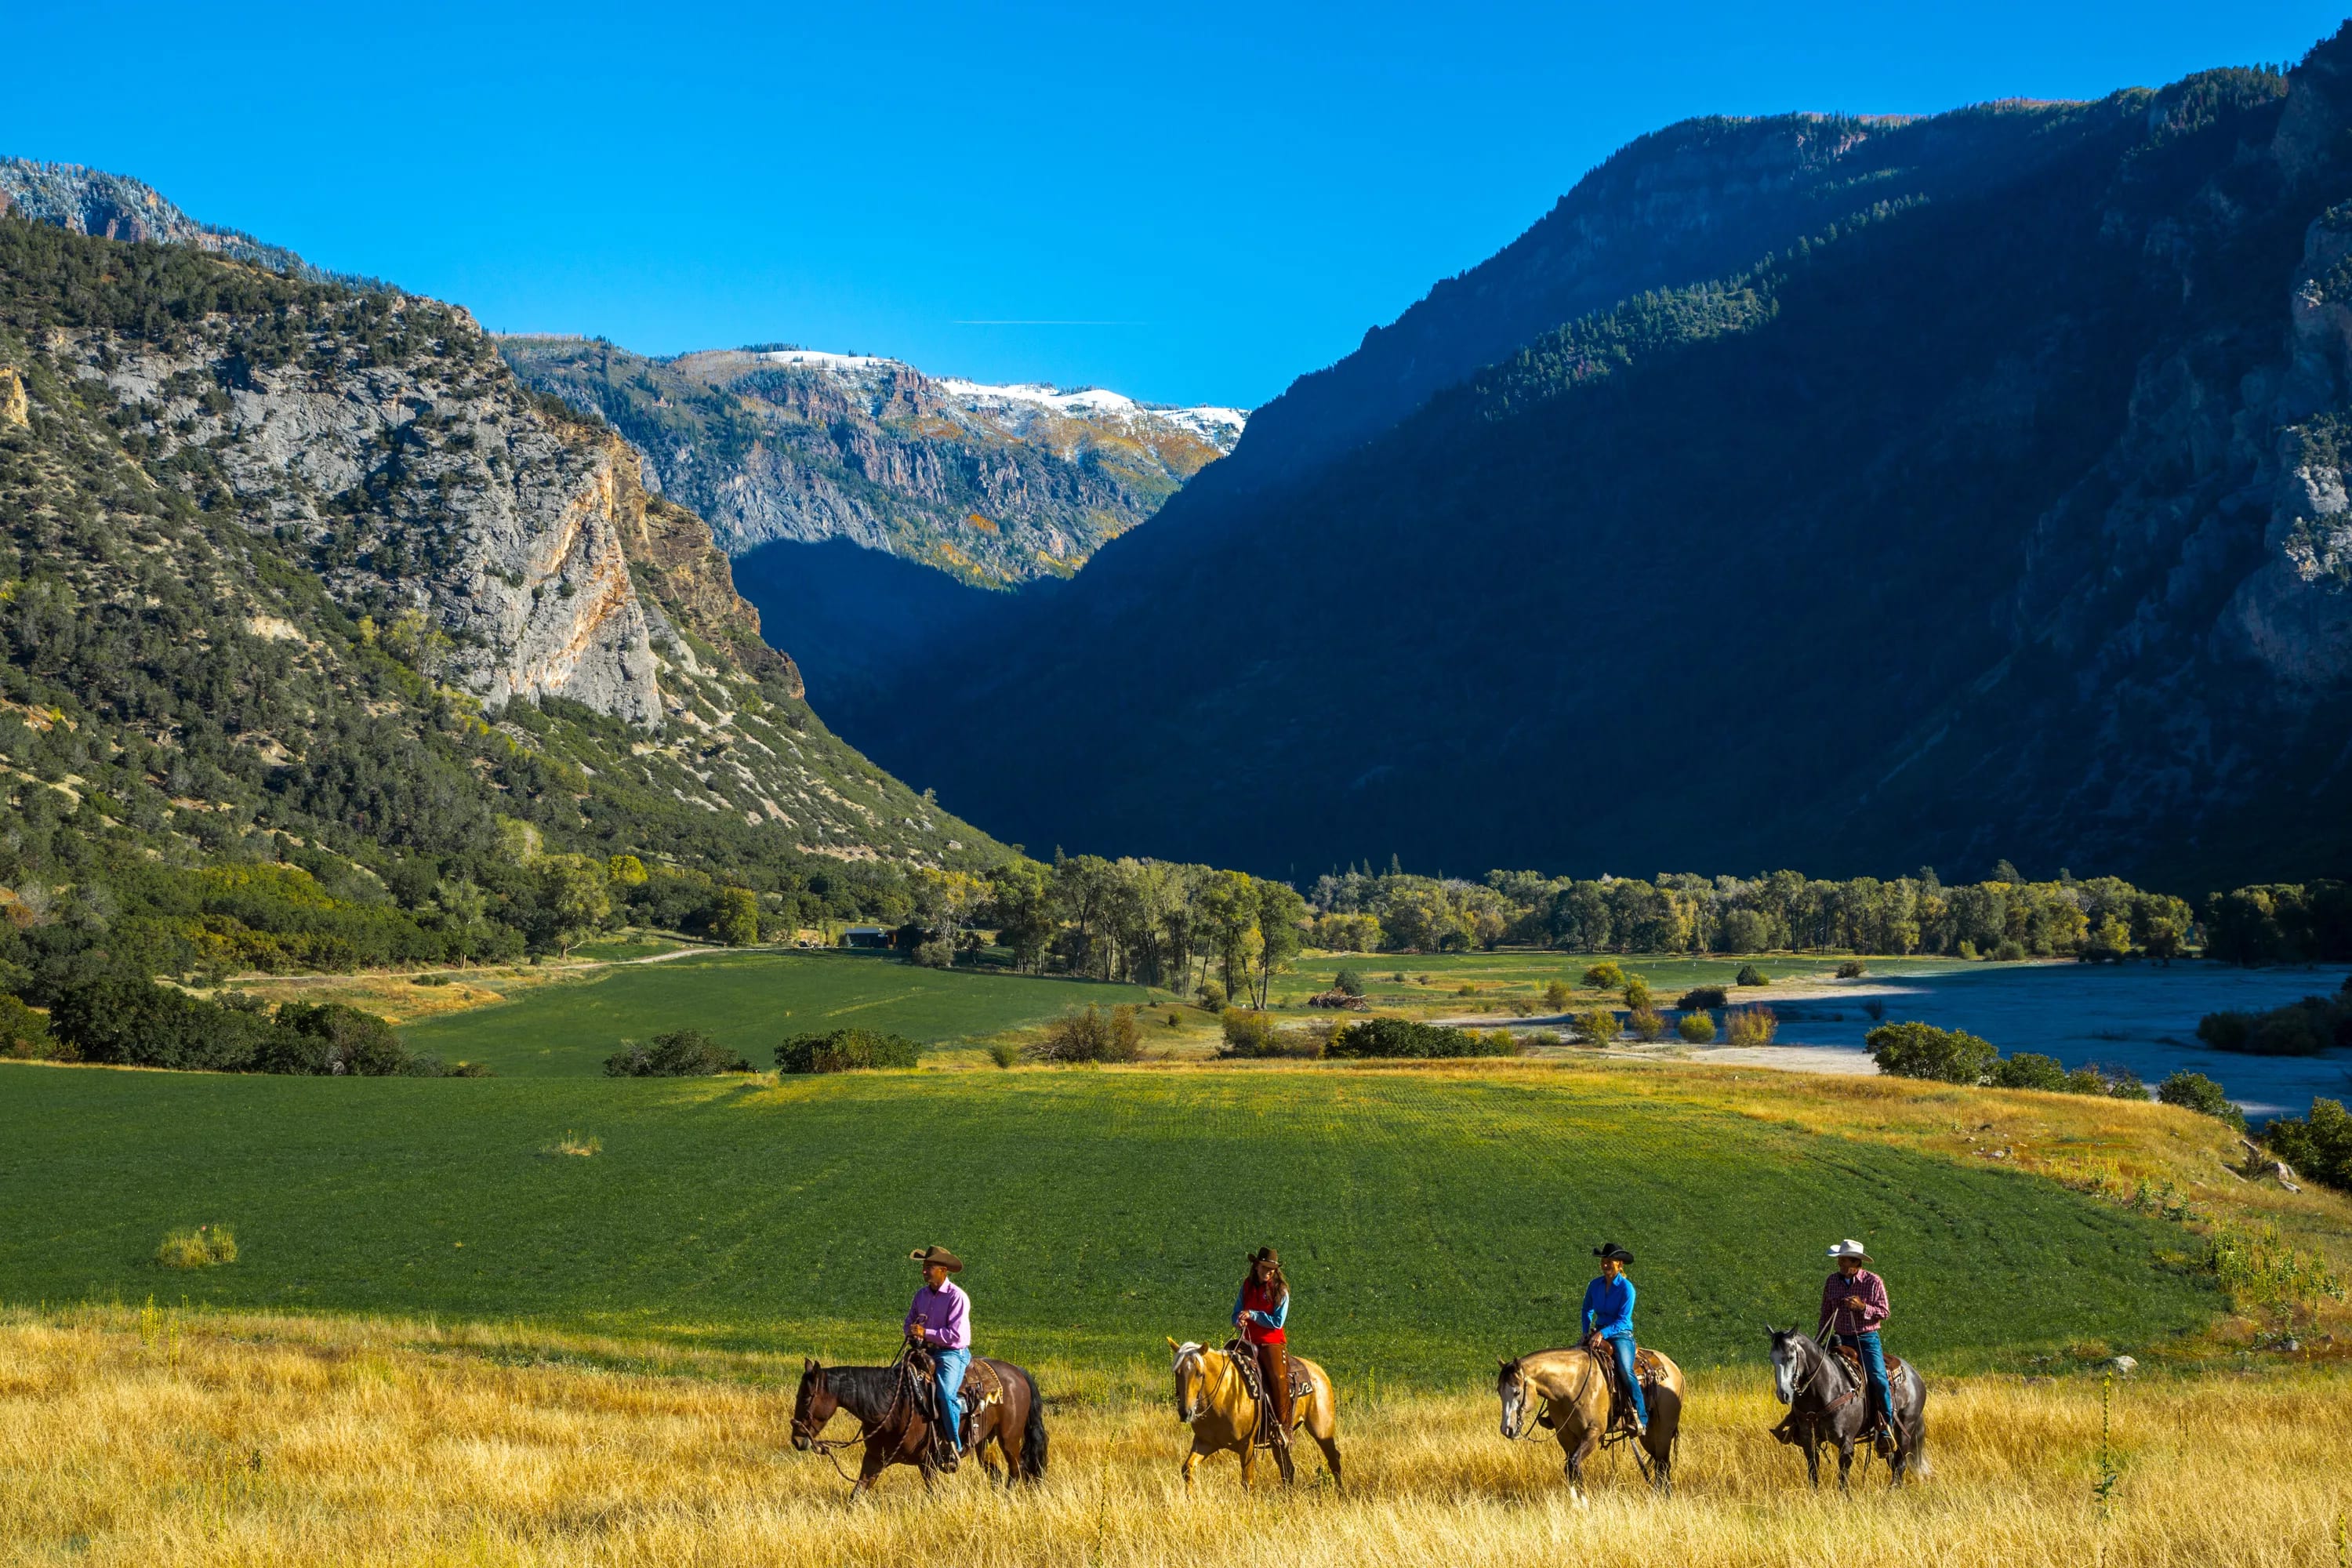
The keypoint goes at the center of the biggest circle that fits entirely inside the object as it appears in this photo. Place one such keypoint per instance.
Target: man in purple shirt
(940, 1322)
(1853, 1303)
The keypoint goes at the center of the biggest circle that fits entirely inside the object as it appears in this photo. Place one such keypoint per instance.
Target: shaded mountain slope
(1999, 513)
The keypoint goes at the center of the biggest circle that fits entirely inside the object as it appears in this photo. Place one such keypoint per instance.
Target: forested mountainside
(115, 207)
(324, 641)
(1996, 513)
(996, 486)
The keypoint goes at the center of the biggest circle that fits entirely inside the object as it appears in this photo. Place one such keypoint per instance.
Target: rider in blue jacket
(1609, 1315)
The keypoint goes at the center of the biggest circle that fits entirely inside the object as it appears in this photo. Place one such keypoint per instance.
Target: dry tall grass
(131, 1439)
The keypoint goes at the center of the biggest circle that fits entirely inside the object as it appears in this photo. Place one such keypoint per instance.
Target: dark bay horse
(1826, 1398)
(1567, 1390)
(887, 1402)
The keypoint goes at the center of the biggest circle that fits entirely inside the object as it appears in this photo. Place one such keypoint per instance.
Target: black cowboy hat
(1608, 1249)
(940, 1255)
(1267, 1255)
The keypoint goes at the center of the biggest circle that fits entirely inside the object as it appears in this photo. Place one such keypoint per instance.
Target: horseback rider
(1260, 1310)
(1609, 1316)
(940, 1322)
(1854, 1304)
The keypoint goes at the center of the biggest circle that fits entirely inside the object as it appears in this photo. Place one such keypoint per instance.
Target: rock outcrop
(994, 485)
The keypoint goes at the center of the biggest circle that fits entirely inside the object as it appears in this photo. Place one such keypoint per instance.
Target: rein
(1527, 1394)
(901, 1386)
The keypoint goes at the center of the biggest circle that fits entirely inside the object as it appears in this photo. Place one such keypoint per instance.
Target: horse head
(1191, 1375)
(1791, 1350)
(1518, 1399)
(812, 1405)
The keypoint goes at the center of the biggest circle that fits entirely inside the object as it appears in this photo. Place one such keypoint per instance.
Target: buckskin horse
(1215, 1397)
(890, 1404)
(1572, 1388)
(1825, 1395)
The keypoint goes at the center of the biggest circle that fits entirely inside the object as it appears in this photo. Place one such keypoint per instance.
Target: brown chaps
(1274, 1375)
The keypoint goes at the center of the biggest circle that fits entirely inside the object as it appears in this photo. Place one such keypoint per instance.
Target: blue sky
(1205, 201)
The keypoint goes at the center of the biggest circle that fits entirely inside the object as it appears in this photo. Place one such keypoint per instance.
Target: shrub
(681, 1053)
(1466, 989)
(1605, 975)
(1403, 1038)
(1637, 993)
(2195, 1091)
(2030, 1070)
(2011, 951)
(1596, 1028)
(197, 1247)
(2304, 1028)
(1349, 981)
(1702, 996)
(938, 952)
(1697, 1027)
(1750, 975)
(846, 1050)
(574, 1146)
(1922, 1050)
(1968, 949)
(2124, 1084)
(24, 1033)
(1875, 1008)
(1091, 1035)
(2086, 1080)
(1556, 995)
(1175, 1020)
(1750, 1026)
(1248, 1034)
(1004, 1053)
(1646, 1023)
(1211, 997)
(2319, 1146)
(1851, 969)
(332, 1039)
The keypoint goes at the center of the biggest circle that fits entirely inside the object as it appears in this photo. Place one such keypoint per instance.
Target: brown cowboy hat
(1266, 1255)
(1608, 1249)
(939, 1255)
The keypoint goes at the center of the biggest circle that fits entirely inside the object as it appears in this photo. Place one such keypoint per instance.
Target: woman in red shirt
(1259, 1312)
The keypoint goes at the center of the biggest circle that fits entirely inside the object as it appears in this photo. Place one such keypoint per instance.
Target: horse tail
(1032, 1437)
(1918, 1462)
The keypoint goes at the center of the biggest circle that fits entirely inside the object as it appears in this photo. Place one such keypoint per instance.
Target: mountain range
(1850, 493)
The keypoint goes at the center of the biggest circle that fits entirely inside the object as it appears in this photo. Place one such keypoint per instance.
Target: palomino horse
(1572, 1388)
(1826, 1398)
(1213, 1398)
(888, 1405)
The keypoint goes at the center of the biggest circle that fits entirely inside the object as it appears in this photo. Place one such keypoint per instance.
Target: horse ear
(1171, 1342)
(807, 1366)
(1503, 1363)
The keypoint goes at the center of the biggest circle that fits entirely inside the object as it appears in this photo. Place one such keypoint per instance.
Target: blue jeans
(1873, 1368)
(1624, 1346)
(948, 1367)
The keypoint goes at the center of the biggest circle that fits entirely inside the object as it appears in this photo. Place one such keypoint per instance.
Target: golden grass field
(161, 1439)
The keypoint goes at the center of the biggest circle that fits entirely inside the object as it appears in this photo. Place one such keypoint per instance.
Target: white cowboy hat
(1850, 1248)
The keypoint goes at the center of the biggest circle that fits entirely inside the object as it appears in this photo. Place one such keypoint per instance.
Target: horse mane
(864, 1391)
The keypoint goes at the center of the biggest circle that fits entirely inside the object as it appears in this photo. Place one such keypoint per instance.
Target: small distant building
(865, 936)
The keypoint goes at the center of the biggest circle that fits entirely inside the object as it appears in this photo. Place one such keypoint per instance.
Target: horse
(1826, 1398)
(1214, 1399)
(1572, 1386)
(889, 1404)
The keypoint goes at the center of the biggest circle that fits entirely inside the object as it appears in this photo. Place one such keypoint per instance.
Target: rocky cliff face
(340, 477)
(994, 485)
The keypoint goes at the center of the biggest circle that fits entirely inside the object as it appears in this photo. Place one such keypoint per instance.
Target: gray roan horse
(1826, 1399)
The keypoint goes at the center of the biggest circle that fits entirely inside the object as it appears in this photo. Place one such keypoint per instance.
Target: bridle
(1526, 1397)
(805, 1429)
(1187, 1414)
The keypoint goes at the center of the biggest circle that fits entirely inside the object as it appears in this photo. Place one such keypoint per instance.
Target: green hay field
(1430, 1220)
(750, 1000)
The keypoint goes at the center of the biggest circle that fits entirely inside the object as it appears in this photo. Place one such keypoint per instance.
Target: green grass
(1521, 974)
(1429, 1221)
(750, 1000)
